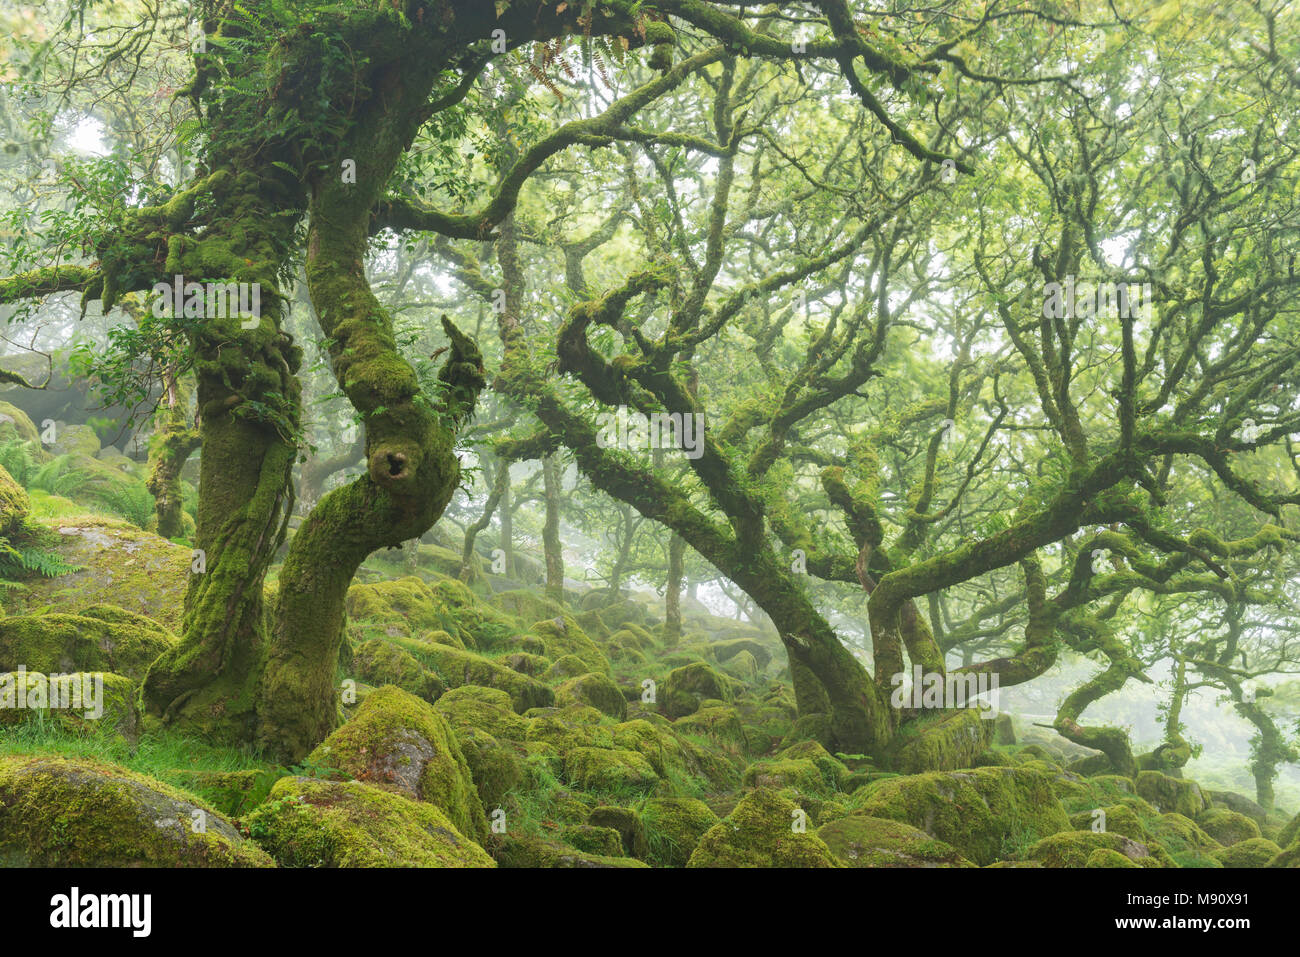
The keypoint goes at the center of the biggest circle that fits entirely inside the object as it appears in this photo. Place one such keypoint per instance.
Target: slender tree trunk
(500, 483)
(551, 530)
(673, 591)
(173, 441)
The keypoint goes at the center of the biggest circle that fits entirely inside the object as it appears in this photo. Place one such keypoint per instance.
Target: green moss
(1252, 852)
(609, 770)
(1227, 827)
(378, 662)
(1106, 857)
(761, 831)
(62, 643)
(231, 792)
(800, 775)
(530, 850)
(497, 766)
(312, 823)
(942, 741)
(602, 841)
(405, 601)
(399, 742)
(860, 841)
(472, 706)
(719, 724)
(56, 812)
(685, 688)
(1120, 819)
(459, 668)
(986, 813)
(673, 828)
(1074, 848)
(596, 690)
(1170, 794)
(563, 636)
(625, 822)
(566, 666)
(1186, 843)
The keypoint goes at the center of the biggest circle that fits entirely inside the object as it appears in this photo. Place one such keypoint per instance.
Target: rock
(562, 636)
(1170, 794)
(760, 832)
(1252, 852)
(1186, 843)
(1075, 848)
(626, 823)
(860, 841)
(1105, 857)
(596, 690)
(59, 643)
(601, 769)
(82, 703)
(603, 841)
(459, 668)
(1227, 827)
(378, 662)
(673, 828)
(686, 687)
(313, 823)
(472, 706)
(982, 812)
(511, 850)
(1004, 730)
(60, 812)
(398, 742)
(943, 741)
(15, 425)
(1119, 819)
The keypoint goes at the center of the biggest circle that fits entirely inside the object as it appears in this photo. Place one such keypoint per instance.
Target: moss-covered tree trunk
(173, 441)
(551, 529)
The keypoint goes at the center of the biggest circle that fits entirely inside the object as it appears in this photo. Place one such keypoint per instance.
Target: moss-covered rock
(762, 831)
(459, 668)
(312, 823)
(378, 662)
(1186, 843)
(798, 774)
(120, 565)
(1074, 848)
(57, 812)
(407, 601)
(74, 440)
(233, 793)
(685, 688)
(626, 823)
(860, 841)
(596, 690)
(986, 813)
(719, 724)
(97, 485)
(603, 841)
(673, 828)
(562, 635)
(1105, 857)
(82, 703)
(473, 706)
(530, 850)
(606, 769)
(1227, 827)
(59, 643)
(497, 766)
(724, 651)
(16, 425)
(399, 742)
(1119, 819)
(940, 741)
(1252, 852)
(1168, 794)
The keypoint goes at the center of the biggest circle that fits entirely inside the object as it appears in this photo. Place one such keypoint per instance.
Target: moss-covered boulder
(1105, 857)
(860, 841)
(378, 662)
(562, 635)
(120, 565)
(534, 851)
(797, 774)
(596, 690)
(59, 643)
(233, 793)
(1186, 843)
(609, 769)
(399, 742)
(497, 766)
(722, 725)
(405, 601)
(313, 823)
(627, 823)
(59, 812)
(1252, 852)
(724, 651)
(685, 688)
(1074, 848)
(1118, 819)
(1168, 794)
(16, 425)
(764, 830)
(15, 506)
(986, 813)
(473, 706)
(940, 741)
(602, 841)
(457, 668)
(673, 828)
(82, 703)
(1225, 826)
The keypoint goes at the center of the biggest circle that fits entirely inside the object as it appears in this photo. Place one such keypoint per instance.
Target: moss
(528, 850)
(378, 662)
(1170, 794)
(75, 440)
(1106, 857)
(563, 636)
(1186, 843)
(472, 706)
(1252, 852)
(985, 813)
(234, 793)
(596, 690)
(625, 822)
(604, 769)
(399, 742)
(1227, 827)
(66, 643)
(1120, 819)
(535, 666)
(572, 728)
(1289, 833)
(120, 566)
(673, 828)
(742, 667)
(97, 485)
(833, 770)
(945, 741)
(406, 601)
(860, 841)
(685, 688)
(56, 812)
(602, 841)
(1074, 848)
(497, 766)
(720, 724)
(809, 727)
(313, 823)
(459, 668)
(761, 832)
(800, 775)
(566, 666)
(15, 424)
